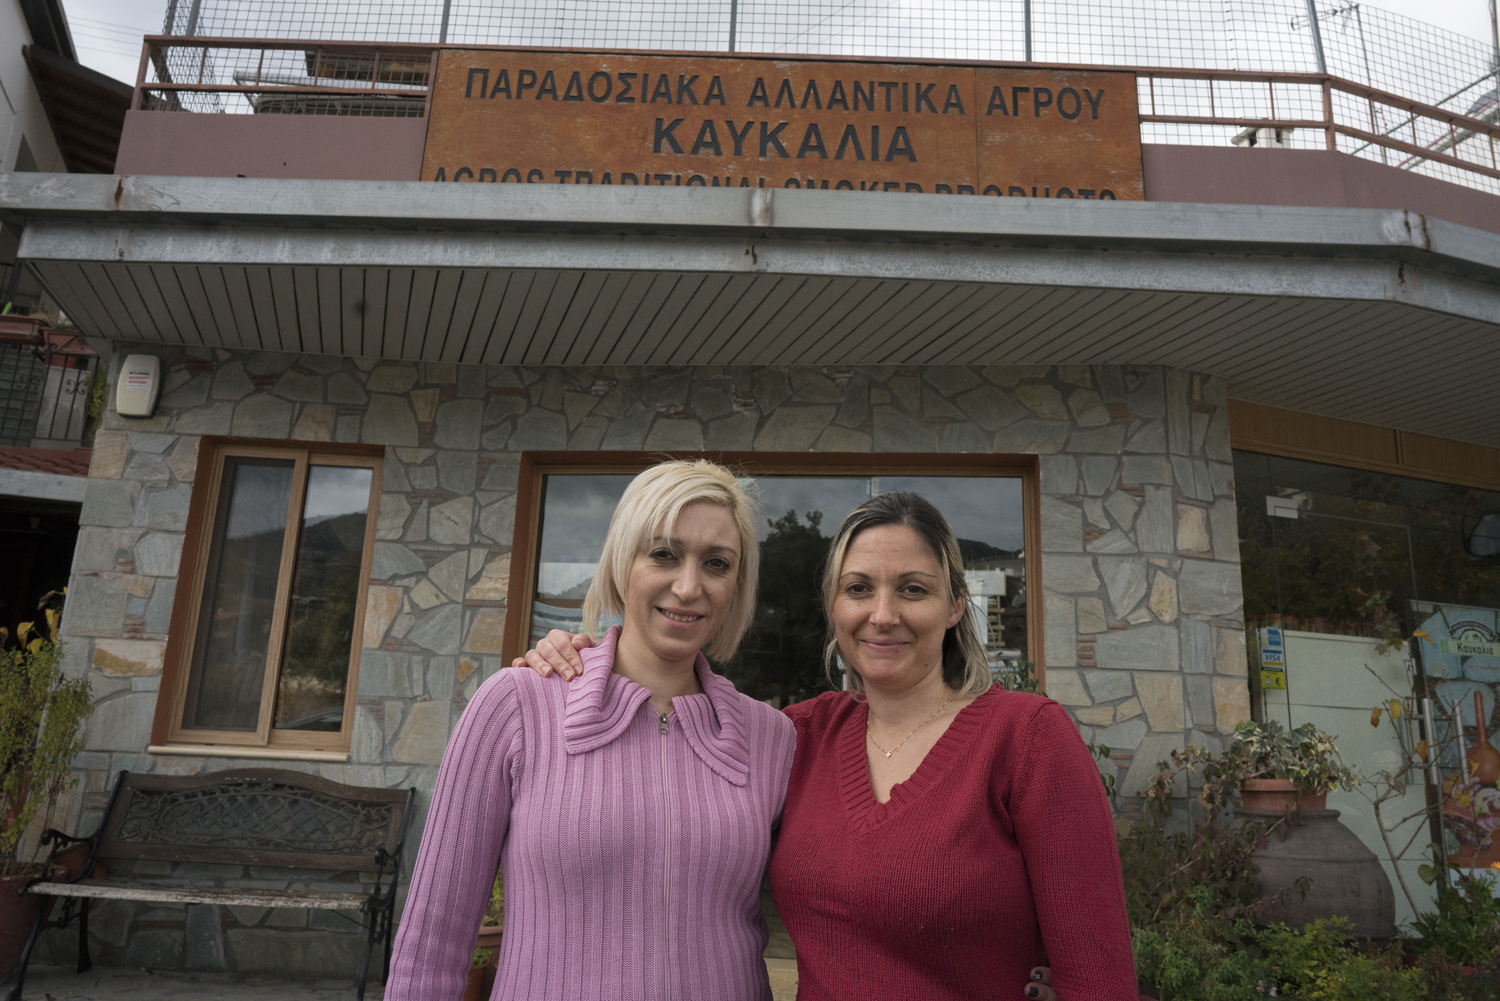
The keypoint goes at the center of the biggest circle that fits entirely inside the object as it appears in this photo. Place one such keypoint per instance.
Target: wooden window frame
(182, 633)
(536, 465)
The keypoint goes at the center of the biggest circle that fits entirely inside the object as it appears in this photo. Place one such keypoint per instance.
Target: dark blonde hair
(966, 669)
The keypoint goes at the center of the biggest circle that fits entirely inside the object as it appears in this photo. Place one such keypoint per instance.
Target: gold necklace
(871, 736)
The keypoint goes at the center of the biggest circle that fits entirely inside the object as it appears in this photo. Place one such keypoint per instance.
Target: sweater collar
(602, 704)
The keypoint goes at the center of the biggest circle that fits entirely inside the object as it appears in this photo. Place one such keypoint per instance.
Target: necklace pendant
(889, 753)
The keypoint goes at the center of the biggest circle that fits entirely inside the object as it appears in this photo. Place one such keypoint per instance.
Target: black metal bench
(250, 816)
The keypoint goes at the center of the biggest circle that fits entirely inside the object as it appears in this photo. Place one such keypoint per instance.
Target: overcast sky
(107, 32)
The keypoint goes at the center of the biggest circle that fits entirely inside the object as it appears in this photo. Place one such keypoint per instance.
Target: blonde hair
(966, 668)
(648, 509)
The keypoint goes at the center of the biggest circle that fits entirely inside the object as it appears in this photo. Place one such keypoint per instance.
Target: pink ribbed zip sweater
(633, 849)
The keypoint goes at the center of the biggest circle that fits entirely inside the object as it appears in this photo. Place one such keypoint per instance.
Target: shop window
(565, 515)
(263, 649)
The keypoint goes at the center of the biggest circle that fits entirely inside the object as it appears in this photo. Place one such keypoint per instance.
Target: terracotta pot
(17, 916)
(482, 978)
(1347, 879)
(1277, 794)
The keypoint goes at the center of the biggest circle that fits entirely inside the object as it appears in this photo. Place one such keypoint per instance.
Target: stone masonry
(1139, 564)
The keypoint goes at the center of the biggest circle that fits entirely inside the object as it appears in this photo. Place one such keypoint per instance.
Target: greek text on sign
(561, 117)
(1470, 647)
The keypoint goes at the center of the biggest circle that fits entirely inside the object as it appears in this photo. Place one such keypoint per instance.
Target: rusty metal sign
(555, 117)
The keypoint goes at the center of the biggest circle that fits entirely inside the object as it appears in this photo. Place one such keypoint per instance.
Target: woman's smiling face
(682, 584)
(892, 608)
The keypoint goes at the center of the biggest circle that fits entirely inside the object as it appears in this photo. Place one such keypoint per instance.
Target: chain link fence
(1363, 44)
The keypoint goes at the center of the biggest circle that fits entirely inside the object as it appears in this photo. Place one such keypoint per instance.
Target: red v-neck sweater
(997, 855)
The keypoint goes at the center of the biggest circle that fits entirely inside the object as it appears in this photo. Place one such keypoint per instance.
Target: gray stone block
(1209, 588)
(389, 420)
(1069, 574)
(439, 630)
(1224, 526)
(1109, 439)
(270, 362)
(951, 380)
(1221, 478)
(1059, 627)
(855, 409)
(452, 522)
(158, 555)
(1124, 580)
(1122, 507)
(1198, 646)
(109, 503)
(1139, 648)
(840, 439)
(154, 949)
(1059, 474)
(1150, 438)
(674, 434)
(627, 433)
(1125, 736)
(1142, 469)
(95, 608)
(1114, 541)
(295, 954)
(442, 677)
(147, 468)
(991, 408)
(1091, 618)
(152, 444)
(458, 425)
(215, 418)
(122, 723)
(343, 389)
(394, 560)
(498, 520)
(964, 438)
(733, 433)
(794, 429)
(1216, 444)
(191, 393)
(1200, 699)
(712, 399)
(389, 377)
(1155, 526)
(97, 548)
(1179, 424)
(300, 386)
(260, 416)
(204, 941)
(1107, 686)
(167, 509)
(1153, 748)
(1062, 526)
(896, 432)
(231, 382)
(1032, 436)
(159, 608)
(1146, 396)
(1098, 474)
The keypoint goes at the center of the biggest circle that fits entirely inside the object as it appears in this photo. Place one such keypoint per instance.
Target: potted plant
(41, 716)
(486, 958)
(1288, 769)
(1314, 867)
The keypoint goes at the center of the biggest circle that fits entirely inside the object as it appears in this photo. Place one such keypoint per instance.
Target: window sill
(270, 753)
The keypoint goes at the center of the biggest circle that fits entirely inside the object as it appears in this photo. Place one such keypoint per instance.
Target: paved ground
(51, 983)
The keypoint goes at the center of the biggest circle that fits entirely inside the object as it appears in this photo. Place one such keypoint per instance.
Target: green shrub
(1466, 927)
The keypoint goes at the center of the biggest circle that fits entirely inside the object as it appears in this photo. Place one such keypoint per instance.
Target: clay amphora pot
(1347, 878)
(1484, 760)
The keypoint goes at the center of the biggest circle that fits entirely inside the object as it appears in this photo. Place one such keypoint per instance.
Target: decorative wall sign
(555, 117)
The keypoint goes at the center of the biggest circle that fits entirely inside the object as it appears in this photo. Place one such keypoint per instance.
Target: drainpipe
(192, 25)
(734, 14)
(443, 31)
(1495, 39)
(1317, 33)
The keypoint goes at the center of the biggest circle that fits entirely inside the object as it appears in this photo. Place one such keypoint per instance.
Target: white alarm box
(140, 382)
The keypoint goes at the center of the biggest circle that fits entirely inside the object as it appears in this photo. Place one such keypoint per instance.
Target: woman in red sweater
(941, 836)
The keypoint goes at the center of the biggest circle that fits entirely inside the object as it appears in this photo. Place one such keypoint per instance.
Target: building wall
(21, 112)
(1143, 623)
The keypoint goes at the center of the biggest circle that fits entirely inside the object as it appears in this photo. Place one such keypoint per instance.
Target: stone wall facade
(1139, 564)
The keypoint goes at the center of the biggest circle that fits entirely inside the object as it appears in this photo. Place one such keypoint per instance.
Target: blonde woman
(632, 811)
(942, 838)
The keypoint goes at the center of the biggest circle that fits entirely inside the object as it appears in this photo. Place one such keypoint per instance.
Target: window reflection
(320, 630)
(239, 596)
(781, 657)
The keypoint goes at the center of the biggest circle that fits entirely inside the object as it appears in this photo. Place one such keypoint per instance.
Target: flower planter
(482, 978)
(1277, 794)
(18, 916)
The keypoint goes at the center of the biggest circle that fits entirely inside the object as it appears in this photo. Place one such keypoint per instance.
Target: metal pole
(1317, 33)
(192, 25)
(1495, 39)
(1028, 29)
(734, 16)
(443, 31)
(171, 25)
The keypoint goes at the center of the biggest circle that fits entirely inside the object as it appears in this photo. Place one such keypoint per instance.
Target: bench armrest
(62, 841)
